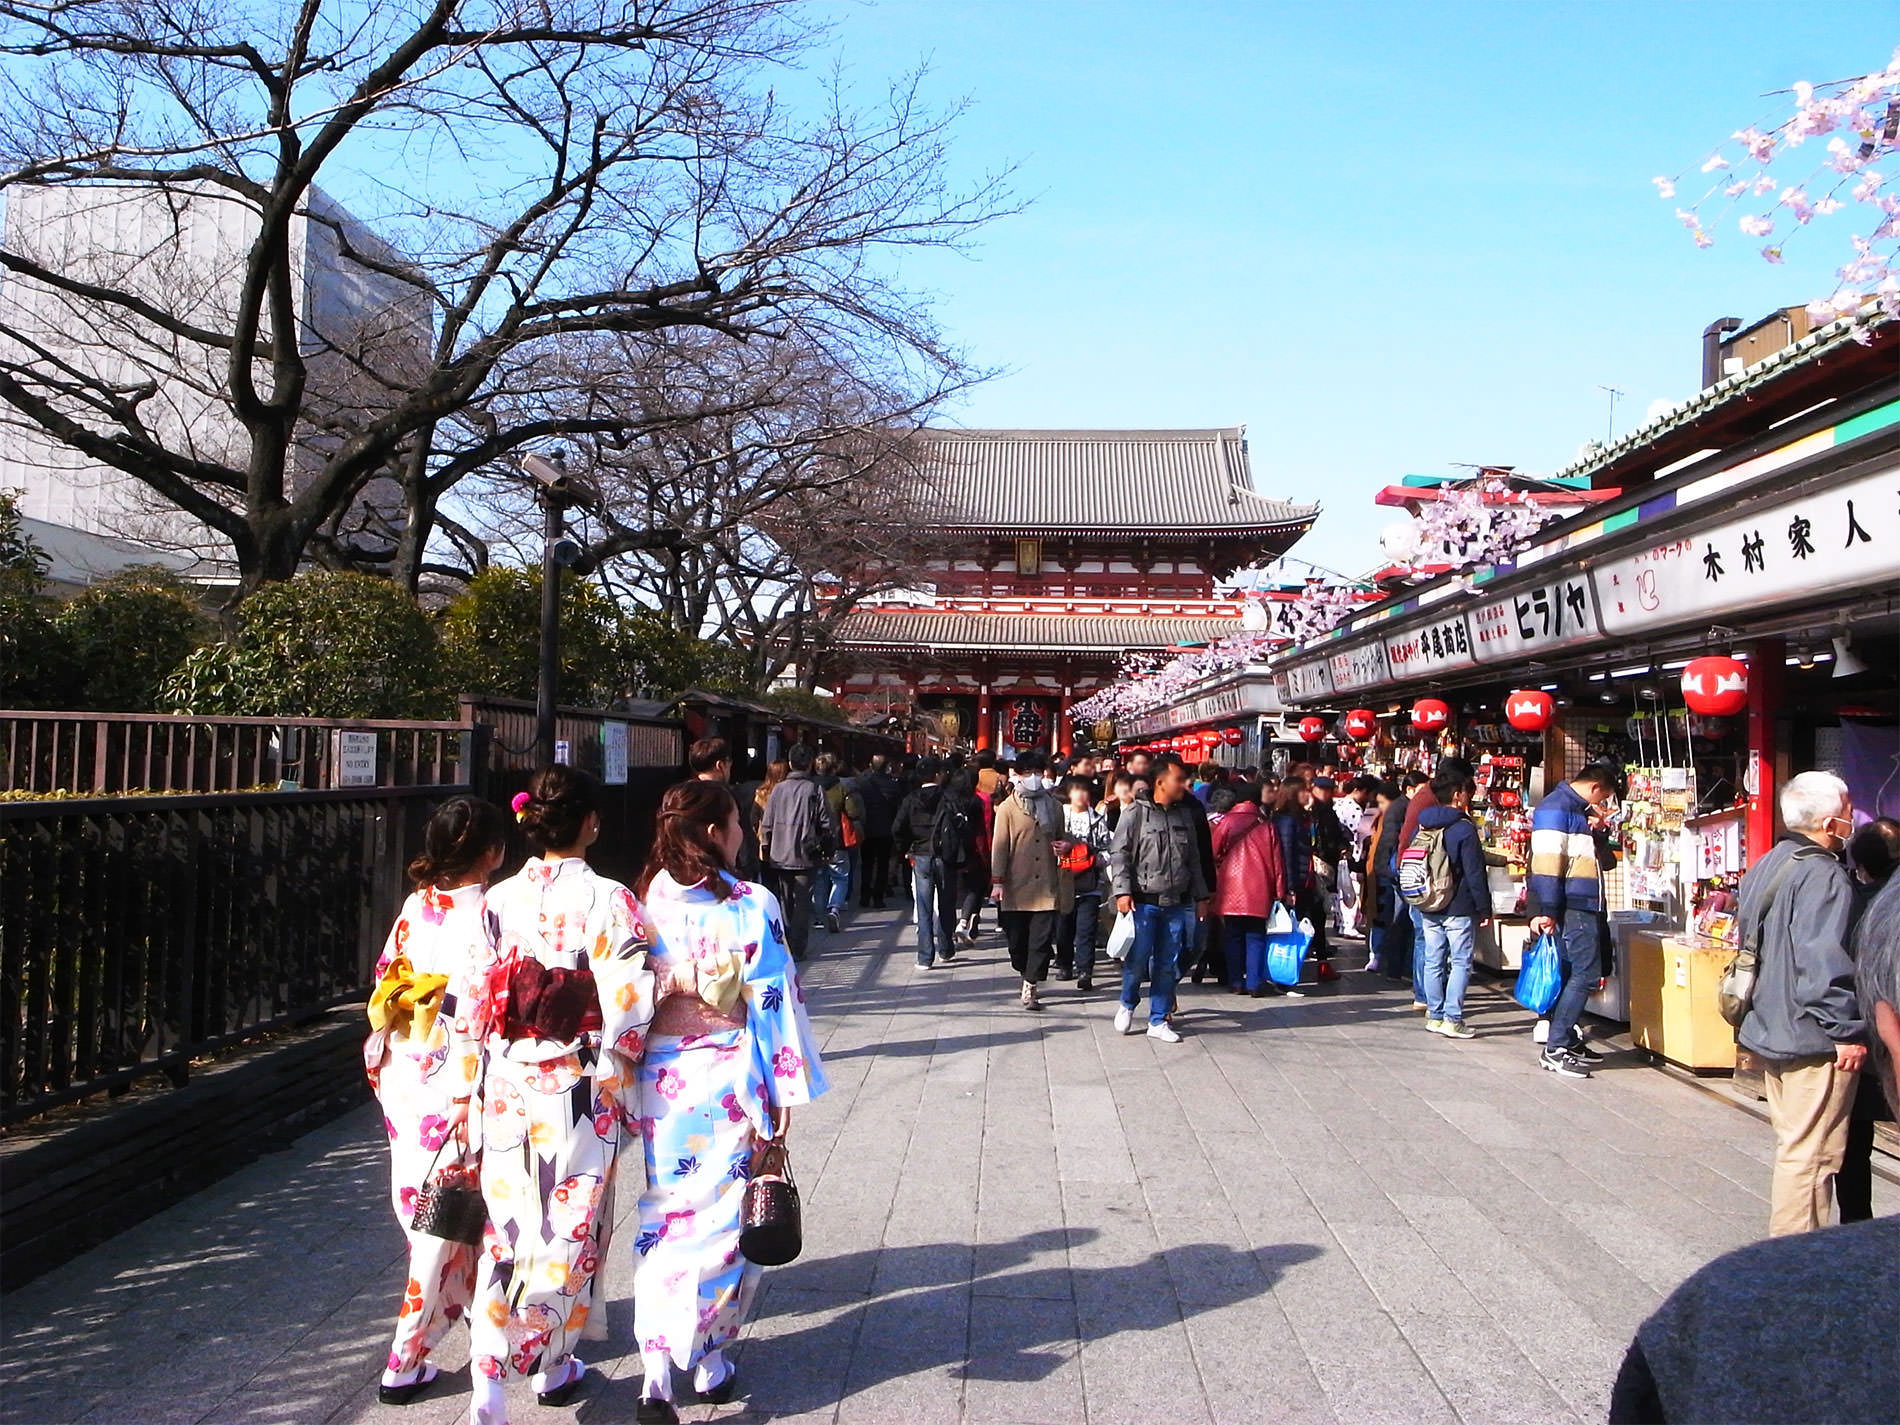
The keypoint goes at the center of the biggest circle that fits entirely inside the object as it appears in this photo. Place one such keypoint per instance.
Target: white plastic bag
(1122, 938)
(1280, 920)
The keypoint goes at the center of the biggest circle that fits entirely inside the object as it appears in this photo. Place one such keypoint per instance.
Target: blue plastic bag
(1541, 976)
(1286, 951)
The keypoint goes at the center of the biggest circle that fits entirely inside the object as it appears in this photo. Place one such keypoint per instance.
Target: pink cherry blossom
(1664, 188)
(1715, 164)
(1771, 254)
(1758, 226)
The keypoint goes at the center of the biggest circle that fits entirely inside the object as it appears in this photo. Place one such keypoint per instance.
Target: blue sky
(1387, 238)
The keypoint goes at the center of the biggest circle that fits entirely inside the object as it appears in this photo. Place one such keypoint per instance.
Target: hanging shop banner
(1360, 667)
(1558, 612)
(1445, 643)
(1301, 682)
(1843, 538)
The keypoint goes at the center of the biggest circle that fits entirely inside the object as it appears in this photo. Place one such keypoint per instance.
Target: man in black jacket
(881, 793)
(935, 831)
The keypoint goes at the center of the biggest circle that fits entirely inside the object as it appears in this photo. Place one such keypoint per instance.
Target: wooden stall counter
(1672, 1000)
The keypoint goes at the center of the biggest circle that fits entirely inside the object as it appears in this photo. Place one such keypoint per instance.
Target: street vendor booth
(1732, 618)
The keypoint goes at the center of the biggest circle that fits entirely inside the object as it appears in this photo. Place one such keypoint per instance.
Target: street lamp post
(557, 491)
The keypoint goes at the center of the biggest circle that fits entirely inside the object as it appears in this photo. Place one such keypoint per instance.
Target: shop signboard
(1431, 648)
(1847, 537)
(1302, 681)
(1361, 667)
(1556, 613)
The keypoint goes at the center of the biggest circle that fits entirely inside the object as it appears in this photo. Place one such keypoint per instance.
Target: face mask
(1030, 782)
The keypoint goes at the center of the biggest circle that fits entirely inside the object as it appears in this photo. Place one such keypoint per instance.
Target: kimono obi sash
(553, 1004)
(406, 1001)
(691, 1017)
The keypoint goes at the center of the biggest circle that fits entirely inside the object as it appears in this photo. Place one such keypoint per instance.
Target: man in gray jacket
(797, 834)
(1805, 1022)
(1155, 872)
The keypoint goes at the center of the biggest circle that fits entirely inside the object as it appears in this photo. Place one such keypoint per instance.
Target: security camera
(566, 553)
(550, 473)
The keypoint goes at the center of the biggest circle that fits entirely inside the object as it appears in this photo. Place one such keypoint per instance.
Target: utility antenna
(1614, 396)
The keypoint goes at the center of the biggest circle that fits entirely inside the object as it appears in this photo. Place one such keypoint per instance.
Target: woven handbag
(450, 1204)
(771, 1224)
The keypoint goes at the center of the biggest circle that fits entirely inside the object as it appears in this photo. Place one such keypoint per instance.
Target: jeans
(1244, 942)
(833, 890)
(1163, 935)
(874, 870)
(1075, 936)
(794, 895)
(1416, 919)
(933, 890)
(1029, 934)
(1577, 932)
(1446, 952)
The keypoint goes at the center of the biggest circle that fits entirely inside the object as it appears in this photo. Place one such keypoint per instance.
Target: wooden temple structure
(1064, 551)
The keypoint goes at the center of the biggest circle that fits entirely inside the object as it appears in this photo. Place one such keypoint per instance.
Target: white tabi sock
(658, 1366)
(571, 1370)
(423, 1372)
(490, 1403)
(713, 1372)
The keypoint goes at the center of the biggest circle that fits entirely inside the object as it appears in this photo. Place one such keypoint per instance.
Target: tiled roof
(1056, 632)
(1134, 480)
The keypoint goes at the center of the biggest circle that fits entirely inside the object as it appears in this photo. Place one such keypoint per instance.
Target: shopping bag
(1286, 949)
(1541, 976)
(1122, 938)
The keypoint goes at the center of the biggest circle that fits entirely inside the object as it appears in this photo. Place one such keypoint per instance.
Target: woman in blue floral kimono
(723, 1069)
(563, 1019)
(423, 1065)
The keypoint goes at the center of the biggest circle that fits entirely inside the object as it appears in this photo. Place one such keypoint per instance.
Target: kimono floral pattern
(704, 1102)
(448, 933)
(555, 1115)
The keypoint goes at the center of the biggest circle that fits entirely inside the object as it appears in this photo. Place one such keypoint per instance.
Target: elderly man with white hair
(1805, 1022)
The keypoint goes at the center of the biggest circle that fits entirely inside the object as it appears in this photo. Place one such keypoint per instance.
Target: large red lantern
(1362, 724)
(1529, 710)
(1715, 687)
(1312, 728)
(1431, 715)
(1183, 744)
(1232, 736)
(1210, 739)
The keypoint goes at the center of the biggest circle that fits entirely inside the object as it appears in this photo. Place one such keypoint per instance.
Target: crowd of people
(532, 1033)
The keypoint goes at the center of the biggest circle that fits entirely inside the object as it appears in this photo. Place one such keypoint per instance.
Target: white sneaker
(1164, 1032)
(1124, 1021)
(1541, 1034)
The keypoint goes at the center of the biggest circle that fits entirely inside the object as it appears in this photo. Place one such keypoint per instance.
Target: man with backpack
(1441, 875)
(796, 836)
(1566, 900)
(935, 831)
(1804, 1020)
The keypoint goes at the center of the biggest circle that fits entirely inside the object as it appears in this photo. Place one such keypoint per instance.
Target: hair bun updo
(560, 799)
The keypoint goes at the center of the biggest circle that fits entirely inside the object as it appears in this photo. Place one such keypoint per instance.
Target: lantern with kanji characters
(1431, 715)
(1715, 687)
(1312, 728)
(1232, 736)
(1362, 724)
(1529, 710)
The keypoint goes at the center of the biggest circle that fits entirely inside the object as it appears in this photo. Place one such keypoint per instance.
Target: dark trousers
(1392, 937)
(794, 898)
(1311, 903)
(976, 894)
(1075, 936)
(874, 870)
(1029, 934)
(1854, 1183)
(1577, 935)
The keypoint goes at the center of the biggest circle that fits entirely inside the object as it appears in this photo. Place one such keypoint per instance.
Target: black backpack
(950, 831)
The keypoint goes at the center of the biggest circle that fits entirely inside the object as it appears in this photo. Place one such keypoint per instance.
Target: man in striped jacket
(1566, 898)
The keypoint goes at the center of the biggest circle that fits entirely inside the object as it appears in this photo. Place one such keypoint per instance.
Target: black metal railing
(138, 933)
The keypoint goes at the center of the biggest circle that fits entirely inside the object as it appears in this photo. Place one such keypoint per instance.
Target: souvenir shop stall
(1709, 634)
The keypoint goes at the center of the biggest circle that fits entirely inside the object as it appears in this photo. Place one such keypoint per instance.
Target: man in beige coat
(1029, 888)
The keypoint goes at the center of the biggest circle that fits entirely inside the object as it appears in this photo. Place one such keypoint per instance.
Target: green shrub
(656, 655)
(491, 638)
(128, 633)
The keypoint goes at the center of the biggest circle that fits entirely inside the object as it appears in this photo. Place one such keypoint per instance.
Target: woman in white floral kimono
(722, 1070)
(423, 1064)
(563, 1016)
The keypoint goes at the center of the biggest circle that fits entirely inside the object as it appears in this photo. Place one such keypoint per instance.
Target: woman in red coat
(1249, 877)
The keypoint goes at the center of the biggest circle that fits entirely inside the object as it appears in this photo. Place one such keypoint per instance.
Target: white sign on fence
(353, 759)
(613, 753)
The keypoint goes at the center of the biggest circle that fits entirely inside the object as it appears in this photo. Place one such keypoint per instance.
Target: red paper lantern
(1362, 724)
(1529, 710)
(1312, 728)
(1210, 739)
(1715, 687)
(1431, 715)
(1232, 736)
(1180, 744)
(1508, 800)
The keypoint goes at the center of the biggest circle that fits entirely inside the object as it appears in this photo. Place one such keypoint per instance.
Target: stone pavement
(1310, 1210)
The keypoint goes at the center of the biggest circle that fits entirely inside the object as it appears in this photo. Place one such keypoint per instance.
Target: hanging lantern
(1232, 736)
(1715, 687)
(1362, 724)
(1431, 715)
(1508, 800)
(1312, 728)
(1530, 710)
(1210, 739)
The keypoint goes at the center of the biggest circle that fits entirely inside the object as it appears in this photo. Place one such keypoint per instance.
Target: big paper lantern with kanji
(1431, 715)
(1312, 728)
(1362, 724)
(1529, 710)
(1715, 687)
